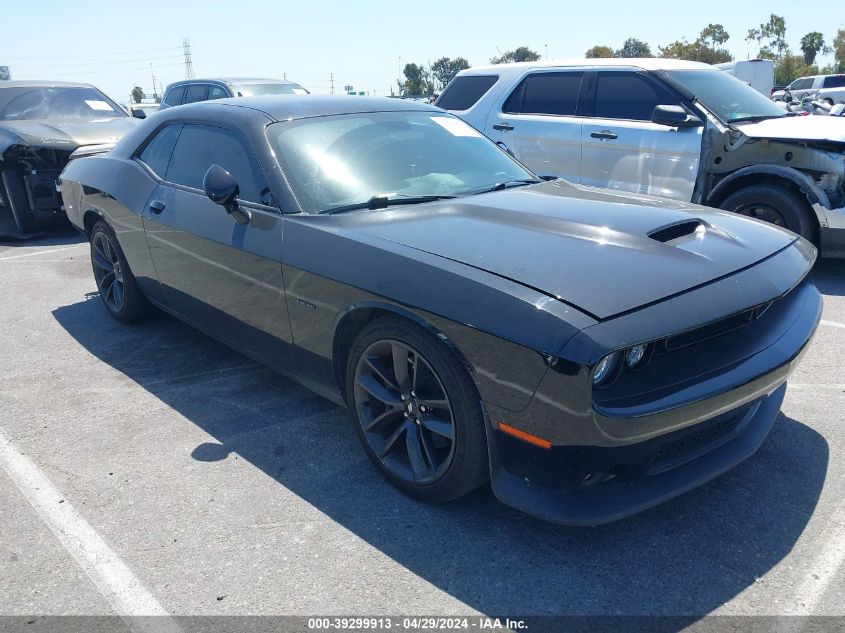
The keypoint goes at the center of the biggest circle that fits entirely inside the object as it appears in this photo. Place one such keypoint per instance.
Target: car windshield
(19, 104)
(729, 98)
(255, 90)
(345, 160)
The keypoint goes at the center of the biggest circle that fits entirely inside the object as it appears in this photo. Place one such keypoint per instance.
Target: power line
(100, 54)
(99, 72)
(100, 63)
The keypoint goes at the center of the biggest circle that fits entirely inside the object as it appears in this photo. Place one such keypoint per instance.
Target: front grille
(694, 444)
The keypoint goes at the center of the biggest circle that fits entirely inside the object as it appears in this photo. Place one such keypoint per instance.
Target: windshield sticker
(455, 126)
(300, 91)
(96, 104)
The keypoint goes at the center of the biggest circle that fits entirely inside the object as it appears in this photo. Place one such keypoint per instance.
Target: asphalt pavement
(149, 467)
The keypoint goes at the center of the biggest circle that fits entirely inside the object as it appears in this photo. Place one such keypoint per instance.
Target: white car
(809, 86)
(664, 127)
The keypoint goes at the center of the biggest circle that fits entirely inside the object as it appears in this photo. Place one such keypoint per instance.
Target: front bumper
(607, 463)
(654, 471)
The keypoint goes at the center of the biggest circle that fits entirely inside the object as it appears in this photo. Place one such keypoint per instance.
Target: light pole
(547, 52)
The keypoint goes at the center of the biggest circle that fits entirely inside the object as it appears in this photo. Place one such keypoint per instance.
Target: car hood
(585, 246)
(798, 128)
(69, 133)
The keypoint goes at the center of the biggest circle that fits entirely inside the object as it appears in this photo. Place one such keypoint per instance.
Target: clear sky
(113, 44)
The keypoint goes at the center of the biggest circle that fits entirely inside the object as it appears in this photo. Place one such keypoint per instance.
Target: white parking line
(823, 570)
(104, 567)
(832, 323)
(32, 254)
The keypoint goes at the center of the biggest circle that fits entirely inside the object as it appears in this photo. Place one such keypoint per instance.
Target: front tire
(418, 412)
(776, 205)
(118, 288)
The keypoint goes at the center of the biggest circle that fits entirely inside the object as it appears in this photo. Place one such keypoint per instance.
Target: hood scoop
(679, 232)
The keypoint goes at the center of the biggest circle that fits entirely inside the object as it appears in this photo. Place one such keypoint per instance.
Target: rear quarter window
(174, 96)
(835, 81)
(464, 92)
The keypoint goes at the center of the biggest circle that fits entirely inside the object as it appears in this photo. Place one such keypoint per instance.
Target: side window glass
(546, 93)
(156, 154)
(216, 92)
(626, 95)
(201, 146)
(174, 97)
(196, 92)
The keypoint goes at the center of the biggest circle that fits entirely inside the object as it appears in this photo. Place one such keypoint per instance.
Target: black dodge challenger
(591, 353)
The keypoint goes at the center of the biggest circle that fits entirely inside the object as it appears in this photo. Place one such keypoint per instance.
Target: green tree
(704, 49)
(521, 54)
(839, 51)
(773, 33)
(445, 69)
(417, 81)
(634, 48)
(137, 94)
(599, 51)
(811, 44)
(790, 67)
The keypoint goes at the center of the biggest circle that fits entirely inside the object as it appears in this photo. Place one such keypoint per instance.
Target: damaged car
(41, 125)
(664, 127)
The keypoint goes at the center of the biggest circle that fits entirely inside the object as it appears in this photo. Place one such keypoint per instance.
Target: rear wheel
(118, 288)
(775, 205)
(418, 412)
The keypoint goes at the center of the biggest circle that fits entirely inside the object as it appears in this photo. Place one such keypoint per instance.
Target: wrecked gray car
(668, 128)
(41, 125)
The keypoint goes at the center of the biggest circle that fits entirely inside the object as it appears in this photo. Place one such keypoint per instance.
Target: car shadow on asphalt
(61, 234)
(686, 557)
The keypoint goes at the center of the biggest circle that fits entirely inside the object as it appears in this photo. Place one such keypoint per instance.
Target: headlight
(635, 355)
(605, 368)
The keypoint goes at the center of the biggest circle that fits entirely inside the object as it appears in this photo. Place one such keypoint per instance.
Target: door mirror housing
(138, 113)
(674, 116)
(222, 188)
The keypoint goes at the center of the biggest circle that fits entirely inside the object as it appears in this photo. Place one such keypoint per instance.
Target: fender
(816, 196)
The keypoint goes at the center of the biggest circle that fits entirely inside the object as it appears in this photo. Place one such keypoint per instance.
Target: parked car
(807, 86)
(665, 127)
(834, 90)
(193, 90)
(41, 124)
(477, 321)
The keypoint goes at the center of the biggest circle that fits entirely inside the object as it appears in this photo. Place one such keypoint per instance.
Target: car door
(623, 149)
(222, 276)
(539, 122)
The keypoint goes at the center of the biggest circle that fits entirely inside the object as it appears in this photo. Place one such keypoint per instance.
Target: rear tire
(118, 287)
(776, 205)
(418, 412)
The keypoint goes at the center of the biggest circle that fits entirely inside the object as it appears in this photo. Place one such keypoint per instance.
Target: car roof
(285, 107)
(229, 81)
(644, 63)
(41, 83)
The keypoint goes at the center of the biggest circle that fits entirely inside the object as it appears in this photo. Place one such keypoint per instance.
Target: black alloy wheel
(118, 288)
(418, 411)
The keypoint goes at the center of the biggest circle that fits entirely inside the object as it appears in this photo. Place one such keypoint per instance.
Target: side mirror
(674, 116)
(221, 188)
(138, 113)
(787, 96)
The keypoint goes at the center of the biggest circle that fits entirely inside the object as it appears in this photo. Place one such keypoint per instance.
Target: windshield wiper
(382, 202)
(510, 183)
(761, 117)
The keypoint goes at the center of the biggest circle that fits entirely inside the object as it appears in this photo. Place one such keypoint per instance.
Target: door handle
(604, 135)
(503, 127)
(157, 206)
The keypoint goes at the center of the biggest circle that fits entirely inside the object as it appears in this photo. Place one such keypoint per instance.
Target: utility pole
(155, 93)
(547, 52)
(331, 78)
(189, 65)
